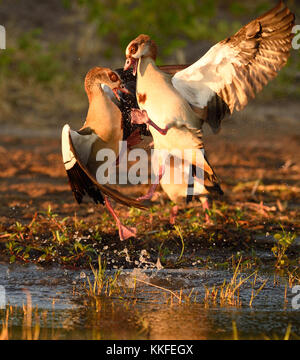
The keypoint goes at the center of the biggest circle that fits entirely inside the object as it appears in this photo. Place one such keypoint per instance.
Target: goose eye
(113, 77)
(133, 48)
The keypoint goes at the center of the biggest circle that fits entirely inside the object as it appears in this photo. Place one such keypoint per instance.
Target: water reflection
(60, 308)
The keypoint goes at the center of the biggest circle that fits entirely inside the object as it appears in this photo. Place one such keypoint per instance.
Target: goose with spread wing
(221, 81)
(102, 129)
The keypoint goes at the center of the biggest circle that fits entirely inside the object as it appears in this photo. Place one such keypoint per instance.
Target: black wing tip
(81, 185)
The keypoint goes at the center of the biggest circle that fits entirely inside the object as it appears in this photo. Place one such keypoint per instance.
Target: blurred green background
(52, 44)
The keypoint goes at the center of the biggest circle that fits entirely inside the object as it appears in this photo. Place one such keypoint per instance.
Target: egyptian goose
(230, 73)
(102, 129)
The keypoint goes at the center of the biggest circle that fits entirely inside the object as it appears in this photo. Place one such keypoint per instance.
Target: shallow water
(146, 313)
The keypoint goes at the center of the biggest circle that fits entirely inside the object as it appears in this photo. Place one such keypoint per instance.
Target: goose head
(99, 77)
(140, 47)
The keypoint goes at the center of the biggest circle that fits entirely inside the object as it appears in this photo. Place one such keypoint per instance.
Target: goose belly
(175, 180)
(178, 192)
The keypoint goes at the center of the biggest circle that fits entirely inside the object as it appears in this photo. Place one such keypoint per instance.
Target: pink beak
(131, 61)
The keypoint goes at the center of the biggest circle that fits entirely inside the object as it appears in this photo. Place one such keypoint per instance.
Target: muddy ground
(256, 155)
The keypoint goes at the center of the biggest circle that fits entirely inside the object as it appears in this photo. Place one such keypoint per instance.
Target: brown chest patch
(142, 98)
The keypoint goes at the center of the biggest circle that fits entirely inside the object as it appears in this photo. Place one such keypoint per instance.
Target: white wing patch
(199, 82)
(67, 154)
(83, 144)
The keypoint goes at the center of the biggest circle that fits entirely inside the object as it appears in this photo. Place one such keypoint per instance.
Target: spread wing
(80, 179)
(238, 67)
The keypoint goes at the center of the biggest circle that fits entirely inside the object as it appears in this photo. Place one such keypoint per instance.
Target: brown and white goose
(222, 81)
(102, 130)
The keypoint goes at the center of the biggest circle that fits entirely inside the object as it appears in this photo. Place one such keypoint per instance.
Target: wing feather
(238, 67)
(82, 182)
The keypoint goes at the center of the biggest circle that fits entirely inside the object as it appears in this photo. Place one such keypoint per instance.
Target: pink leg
(205, 207)
(141, 117)
(153, 187)
(124, 232)
(173, 215)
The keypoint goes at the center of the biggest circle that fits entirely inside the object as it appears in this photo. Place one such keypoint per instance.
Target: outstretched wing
(80, 179)
(238, 67)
